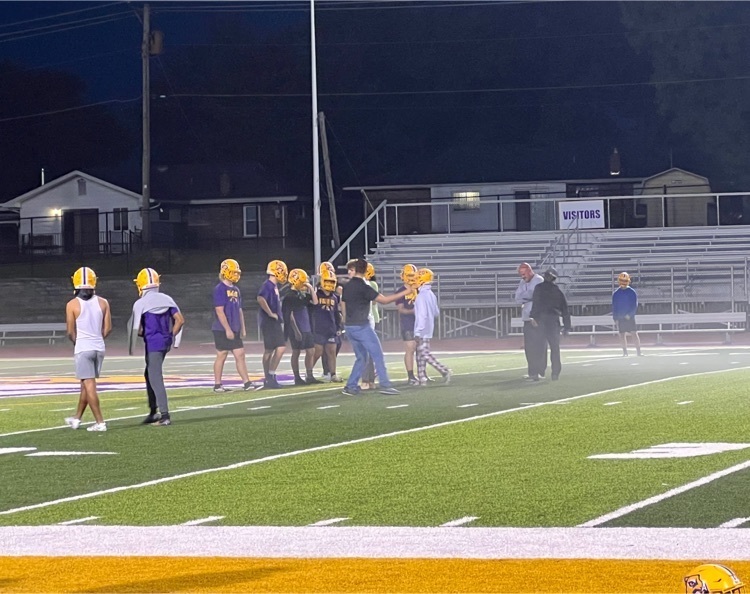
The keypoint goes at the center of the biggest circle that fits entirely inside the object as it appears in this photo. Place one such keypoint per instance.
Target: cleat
(389, 391)
(350, 391)
(73, 422)
(532, 378)
(272, 384)
(430, 380)
(163, 422)
(447, 377)
(151, 419)
(327, 377)
(219, 389)
(311, 380)
(298, 381)
(414, 381)
(247, 386)
(97, 427)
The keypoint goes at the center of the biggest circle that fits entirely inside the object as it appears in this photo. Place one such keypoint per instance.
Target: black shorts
(624, 326)
(407, 335)
(273, 334)
(306, 342)
(324, 339)
(224, 344)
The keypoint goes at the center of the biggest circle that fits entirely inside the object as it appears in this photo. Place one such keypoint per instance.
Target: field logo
(675, 450)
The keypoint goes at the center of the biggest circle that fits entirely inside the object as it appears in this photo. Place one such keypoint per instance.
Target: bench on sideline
(727, 322)
(51, 332)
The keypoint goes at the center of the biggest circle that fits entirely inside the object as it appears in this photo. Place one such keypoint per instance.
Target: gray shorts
(88, 364)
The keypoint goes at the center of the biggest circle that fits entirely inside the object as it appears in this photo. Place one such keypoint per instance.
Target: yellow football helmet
(370, 272)
(230, 270)
(713, 579)
(424, 276)
(147, 278)
(298, 279)
(328, 278)
(84, 278)
(278, 269)
(623, 280)
(409, 274)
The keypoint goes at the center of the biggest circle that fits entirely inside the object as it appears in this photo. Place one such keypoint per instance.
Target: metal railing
(370, 232)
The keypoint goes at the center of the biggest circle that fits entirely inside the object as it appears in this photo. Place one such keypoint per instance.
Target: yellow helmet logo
(409, 274)
(230, 270)
(713, 579)
(424, 276)
(84, 278)
(298, 279)
(147, 278)
(326, 267)
(278, 269)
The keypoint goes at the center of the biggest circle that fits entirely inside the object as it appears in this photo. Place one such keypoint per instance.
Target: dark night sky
(415, 92)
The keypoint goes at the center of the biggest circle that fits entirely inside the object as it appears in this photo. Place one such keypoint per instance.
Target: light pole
(316, 156)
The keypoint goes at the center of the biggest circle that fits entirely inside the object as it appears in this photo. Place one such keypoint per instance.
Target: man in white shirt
(534, 345)
(88, 321)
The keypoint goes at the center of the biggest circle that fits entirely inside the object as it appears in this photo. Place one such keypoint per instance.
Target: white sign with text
(581, 214)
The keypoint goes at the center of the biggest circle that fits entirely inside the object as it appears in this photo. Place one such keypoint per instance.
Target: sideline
(370, 438)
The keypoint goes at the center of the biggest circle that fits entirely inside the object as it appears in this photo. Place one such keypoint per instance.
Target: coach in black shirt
(548, 306)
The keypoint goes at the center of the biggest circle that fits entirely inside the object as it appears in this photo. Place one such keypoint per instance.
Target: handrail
(346, 245)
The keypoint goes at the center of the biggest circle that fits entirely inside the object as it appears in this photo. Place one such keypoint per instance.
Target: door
(81, 230)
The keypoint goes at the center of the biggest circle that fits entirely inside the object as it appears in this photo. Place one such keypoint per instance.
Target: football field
(625, 466)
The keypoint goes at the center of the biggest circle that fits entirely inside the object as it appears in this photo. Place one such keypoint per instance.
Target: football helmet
(370, 272)
(278, 269)
(84, 278)
(623, 280)
(424, 276)
(298, 279)
(713, 579)
(147, 278)
(328, 278)
(409, 274)
(230, 270)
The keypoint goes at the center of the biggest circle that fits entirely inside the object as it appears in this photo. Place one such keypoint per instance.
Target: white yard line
(128, 408)
(623, 511)
(258, 407)
(78, 521)
(459, 522)
(612, 403)
(329, 522)
(684, 402)
(468, 405)
(398, 406)
(347, 443)
(376, 542)
(734, 523)
(328, 406)
(203, 521)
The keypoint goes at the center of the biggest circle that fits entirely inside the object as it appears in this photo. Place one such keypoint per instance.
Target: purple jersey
(327, 314)
(157, 330)
(230, 299)
(407, 320)
(270, 292)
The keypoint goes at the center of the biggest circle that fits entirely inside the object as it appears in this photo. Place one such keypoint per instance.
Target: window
(466, 201)
(120, 216)
(252, 227)
(81, 186)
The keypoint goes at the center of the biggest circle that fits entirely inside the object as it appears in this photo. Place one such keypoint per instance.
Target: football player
(229, 324)
(297, 326)
(405, 307)
(158, 320)
(327, 325)
(624, 307)
(425, 312)
(88, 322)
(270, 321)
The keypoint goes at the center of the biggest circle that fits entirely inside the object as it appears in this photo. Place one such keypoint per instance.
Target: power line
(93, 20)
(305, 7)
(60, 30)
(60, 14)
(67, 109)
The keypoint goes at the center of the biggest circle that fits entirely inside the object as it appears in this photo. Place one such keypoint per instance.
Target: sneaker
(298, 381)
(97, 427)
(328, 377)
(219, 389)
(430, 380)
(272, 384)
(311, 380)
(350, 391)
(531, 378)
(337, 379)
(247, 386)
(165, 421)
(150, 419)
(422, 382)
(73, 422)
(447, 377)
(415, 382)
(389, 391)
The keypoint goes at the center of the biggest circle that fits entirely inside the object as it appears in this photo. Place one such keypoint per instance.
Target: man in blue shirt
(624, 307)
(158, 320)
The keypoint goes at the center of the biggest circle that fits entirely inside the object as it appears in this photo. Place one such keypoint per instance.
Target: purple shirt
(230, 299)
(157, 330)
(407, 319)
(270, 292)
(327, 314)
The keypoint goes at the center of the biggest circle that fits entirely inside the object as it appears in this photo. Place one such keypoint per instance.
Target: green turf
(526, 468)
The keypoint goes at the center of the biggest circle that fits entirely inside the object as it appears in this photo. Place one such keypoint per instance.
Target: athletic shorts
(224, 344)
(407, 335)
(273, 334)
(306, 342)
(624, 325)
(88, 364)
(324, 339)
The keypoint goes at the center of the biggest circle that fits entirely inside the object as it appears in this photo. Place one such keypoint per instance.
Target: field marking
(340, 444)
(467, 405)
(50, 454)
(684, 402)
(329, 522)
(459, 522)
(398, 406)
(78, 521)
(328, 406)
(613, 403)
(128, 408)
(5, 409)
(734, 523)
(15, 450)
(203, 521)
(258, 407)
(61, 409)
(623, 511)
(376, 542)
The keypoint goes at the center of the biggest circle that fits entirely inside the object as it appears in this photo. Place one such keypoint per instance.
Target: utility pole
(146, 114)
(329, 180)
(316, 156)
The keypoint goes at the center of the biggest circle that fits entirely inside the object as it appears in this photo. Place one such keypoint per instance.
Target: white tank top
(89, 326)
